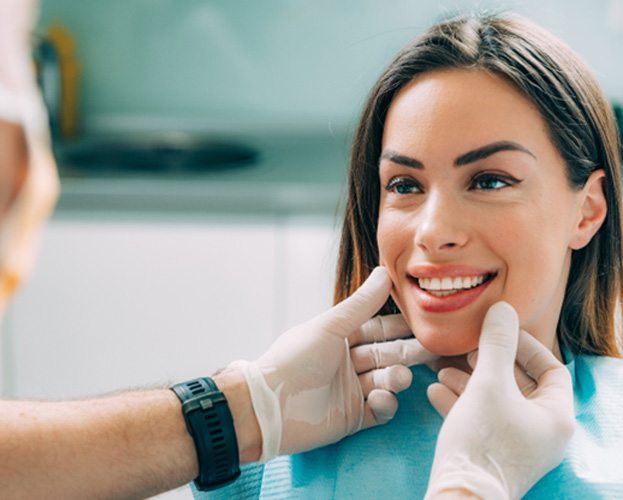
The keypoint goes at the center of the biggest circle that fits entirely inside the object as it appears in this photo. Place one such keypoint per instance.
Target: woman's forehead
(458, 110)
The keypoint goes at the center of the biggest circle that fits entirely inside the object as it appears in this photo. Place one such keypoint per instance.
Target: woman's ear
(592, 210)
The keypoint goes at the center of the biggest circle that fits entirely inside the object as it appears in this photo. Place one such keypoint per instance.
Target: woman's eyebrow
(471, 156)
(395, 157)
(490, 149)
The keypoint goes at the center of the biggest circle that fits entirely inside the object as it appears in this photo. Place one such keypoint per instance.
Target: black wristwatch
(211, 426)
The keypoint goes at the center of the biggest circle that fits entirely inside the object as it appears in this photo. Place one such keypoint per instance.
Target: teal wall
(277, 64)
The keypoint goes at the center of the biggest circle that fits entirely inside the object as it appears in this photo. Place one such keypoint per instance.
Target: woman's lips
(440, 301)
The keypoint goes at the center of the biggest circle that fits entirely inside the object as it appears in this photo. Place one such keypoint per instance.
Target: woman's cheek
(390, 239)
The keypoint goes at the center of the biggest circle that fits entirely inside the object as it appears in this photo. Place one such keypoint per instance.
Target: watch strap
(211, 426)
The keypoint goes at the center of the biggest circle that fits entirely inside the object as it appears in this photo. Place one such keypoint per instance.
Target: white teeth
(448, 285)
(435, 284)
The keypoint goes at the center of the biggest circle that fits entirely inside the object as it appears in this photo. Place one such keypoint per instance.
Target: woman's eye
(491, 182)
(401, 185)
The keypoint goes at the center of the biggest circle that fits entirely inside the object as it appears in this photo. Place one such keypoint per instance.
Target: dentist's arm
(496, 442)
(136, 444)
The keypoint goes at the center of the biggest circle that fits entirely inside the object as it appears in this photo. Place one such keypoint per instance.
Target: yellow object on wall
(65, 46)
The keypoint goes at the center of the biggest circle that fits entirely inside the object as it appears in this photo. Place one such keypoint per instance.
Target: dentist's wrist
(233, 385)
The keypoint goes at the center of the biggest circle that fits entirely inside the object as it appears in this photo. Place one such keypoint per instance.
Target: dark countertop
(293, 174)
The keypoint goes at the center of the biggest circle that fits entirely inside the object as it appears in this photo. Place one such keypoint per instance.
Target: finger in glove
(442, 398)
(393, 378)
(525, 383)
(542, 365)
(405, 352)
(454, 379)
(379, 408)
(347, 316)
(380, 329)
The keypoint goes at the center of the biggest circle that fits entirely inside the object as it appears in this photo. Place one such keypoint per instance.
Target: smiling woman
(485, 167)
(464, 86)
(477, 212)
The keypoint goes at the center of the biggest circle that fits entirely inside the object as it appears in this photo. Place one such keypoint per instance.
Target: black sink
(154, 153)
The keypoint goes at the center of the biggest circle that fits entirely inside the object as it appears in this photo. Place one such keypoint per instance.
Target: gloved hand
(333, 375)
(496, 442)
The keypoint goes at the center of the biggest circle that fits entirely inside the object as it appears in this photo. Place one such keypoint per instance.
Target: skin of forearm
(131, 445)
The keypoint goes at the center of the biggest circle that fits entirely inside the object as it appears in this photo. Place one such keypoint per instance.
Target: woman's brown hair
(581, 126)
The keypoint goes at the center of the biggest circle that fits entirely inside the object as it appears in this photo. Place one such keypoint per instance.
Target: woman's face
(475, 207)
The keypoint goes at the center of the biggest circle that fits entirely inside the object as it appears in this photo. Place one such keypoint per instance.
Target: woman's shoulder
(599, 364)
(592, 467)
(598, 380)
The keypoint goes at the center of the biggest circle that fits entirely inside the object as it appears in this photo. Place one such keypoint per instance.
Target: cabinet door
(310, 249)
(116, 304)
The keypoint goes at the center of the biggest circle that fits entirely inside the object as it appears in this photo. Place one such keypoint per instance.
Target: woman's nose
(441, 225)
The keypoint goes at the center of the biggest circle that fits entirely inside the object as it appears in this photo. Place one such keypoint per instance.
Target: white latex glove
(496, 442)
(333, 375)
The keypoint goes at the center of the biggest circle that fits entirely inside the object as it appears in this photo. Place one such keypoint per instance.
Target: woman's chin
(445, 335)
(449, 343)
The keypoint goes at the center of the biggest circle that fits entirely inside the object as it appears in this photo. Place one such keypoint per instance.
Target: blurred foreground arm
(28, 180)
(495, 442)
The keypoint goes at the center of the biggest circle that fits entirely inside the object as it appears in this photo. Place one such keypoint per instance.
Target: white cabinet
(310, 247)
(137, 303)
(118, 304)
